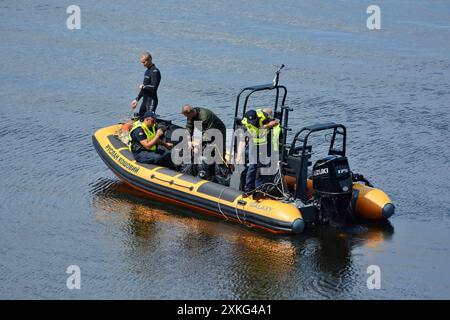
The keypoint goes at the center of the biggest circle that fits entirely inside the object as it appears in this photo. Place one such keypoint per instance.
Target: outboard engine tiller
(332, 184)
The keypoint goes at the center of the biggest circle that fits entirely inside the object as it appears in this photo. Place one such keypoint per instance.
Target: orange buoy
(126, 127)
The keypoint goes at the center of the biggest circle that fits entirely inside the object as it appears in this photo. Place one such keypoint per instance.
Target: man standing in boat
(144, 140)
(149, 87)
(264, 132)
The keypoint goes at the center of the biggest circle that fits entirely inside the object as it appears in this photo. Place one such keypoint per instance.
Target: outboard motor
(332, 184)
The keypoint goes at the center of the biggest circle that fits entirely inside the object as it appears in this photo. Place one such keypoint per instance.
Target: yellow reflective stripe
(261, 116)
(260, 137)
(276, 137)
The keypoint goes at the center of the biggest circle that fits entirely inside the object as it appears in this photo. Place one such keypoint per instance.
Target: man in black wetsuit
(149, 88)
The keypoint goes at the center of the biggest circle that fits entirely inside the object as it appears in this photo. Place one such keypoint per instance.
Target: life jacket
(259, 137)
(150, 133)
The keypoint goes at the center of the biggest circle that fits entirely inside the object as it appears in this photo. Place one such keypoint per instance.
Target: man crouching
(144, 140)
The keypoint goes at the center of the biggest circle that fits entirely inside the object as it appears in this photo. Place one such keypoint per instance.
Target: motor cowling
(332, 184)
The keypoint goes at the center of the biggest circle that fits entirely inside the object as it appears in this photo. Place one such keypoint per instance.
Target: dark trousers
(146, 105)
(159, 157)
(254, 178)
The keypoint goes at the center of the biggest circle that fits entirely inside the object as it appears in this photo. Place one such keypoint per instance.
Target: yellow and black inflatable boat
(207, 197)
(163, 184)
(329, 192)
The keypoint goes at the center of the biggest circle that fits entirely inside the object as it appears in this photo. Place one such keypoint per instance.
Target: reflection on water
(257, 264)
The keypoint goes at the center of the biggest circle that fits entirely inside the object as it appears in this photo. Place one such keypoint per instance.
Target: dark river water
(61, 206)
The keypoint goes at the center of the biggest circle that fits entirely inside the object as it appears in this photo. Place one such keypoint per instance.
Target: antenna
(277, 73)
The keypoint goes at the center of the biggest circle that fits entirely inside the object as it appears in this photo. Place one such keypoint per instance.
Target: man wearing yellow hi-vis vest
(144, 140)
(264, 133)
